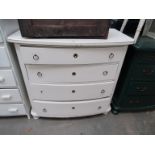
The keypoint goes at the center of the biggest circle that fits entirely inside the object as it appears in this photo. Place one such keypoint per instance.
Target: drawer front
(145, 57)
(12, 109)
(10, 96)
(144, 73)
(4, 61)
(39, 55)
(138, 101)
(71, 92)
(71, 109)
(7, 79)
(71, 73)
(141, 88)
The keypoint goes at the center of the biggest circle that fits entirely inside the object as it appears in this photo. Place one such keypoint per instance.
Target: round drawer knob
(102, 91)
(44, 110)
(111, 55)
(39, 74)
(36, 57)
(73, 73)
(105, 73)
(75, 55)
(73, 91)
(99, 107)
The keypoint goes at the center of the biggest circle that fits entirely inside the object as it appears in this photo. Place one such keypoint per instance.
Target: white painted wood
(4, 61)
(56, 72)
(71, 73)
(123, 25)
(10, 96)
(36, 55)
(12, 110)
(70, 92)
(71, 109)
(115, 38)
(7, 27)
(7, 79)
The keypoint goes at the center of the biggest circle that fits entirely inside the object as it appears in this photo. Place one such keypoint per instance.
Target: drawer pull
(36, 57)
(44, 110)
(141, 89)
(39, 74)
(73, 91)
(105, 73)
(102, 91)
(2, 79)
(148, 72)
(73, 73)
(111, 55)
(99, 107)
(75, 55)
(13, 110)
(73, 108)
(6, 97)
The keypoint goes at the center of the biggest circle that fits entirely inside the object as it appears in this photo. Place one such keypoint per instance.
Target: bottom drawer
(70, 109)
(12, 110)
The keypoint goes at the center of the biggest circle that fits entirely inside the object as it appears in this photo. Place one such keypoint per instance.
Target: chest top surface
(115, 38)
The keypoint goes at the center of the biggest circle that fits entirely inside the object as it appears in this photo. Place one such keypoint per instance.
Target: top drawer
(42, 55)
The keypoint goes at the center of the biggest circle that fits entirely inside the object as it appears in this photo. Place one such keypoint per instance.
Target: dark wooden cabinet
(64, 28)
(135, 89)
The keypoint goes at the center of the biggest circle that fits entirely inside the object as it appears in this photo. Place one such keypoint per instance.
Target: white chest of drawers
(13, 100)
(71, 77)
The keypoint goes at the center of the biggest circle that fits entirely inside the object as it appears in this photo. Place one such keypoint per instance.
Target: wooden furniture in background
(64, 28)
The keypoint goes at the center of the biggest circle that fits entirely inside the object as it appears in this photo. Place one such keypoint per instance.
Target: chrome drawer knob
(105, 73)
(102, 91)
(36, 57)
(111, 55)
(44, 110)
(75, 55)
(39, 74)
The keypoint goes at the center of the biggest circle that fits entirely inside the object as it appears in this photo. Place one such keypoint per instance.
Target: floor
(123, 123)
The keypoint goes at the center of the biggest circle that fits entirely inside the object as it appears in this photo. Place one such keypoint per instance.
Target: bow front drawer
(10, 96)
(42, 55)
(71, 109)
(71, 73)
(72, 91)
(7, 79)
